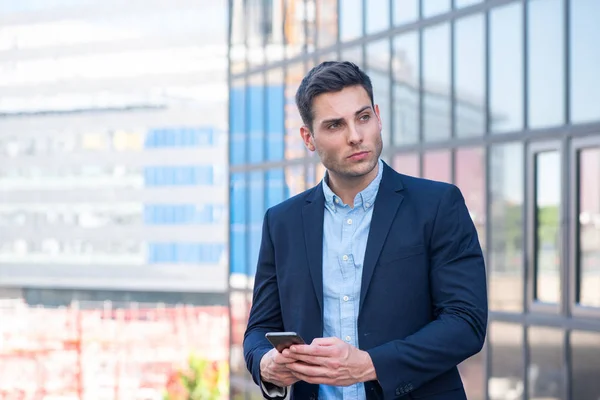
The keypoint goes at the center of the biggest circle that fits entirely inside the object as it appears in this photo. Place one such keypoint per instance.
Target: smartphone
(283, 340)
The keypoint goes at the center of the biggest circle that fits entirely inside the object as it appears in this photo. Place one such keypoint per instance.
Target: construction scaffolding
(102, 352)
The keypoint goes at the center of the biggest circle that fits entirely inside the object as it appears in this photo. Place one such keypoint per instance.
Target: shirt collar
(364, 199)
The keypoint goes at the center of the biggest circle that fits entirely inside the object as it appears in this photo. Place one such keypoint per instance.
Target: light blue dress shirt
(345, 233)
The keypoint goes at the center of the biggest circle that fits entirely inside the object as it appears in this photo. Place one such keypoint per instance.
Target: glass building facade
(498, 97)
(113, 173)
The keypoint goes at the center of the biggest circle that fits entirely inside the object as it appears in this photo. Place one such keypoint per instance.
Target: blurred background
(141, 143)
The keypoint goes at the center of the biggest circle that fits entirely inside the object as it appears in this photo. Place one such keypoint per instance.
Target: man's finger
(282, 359)
(328, 341)
(313, 350)
(310, 370)
(308, 359)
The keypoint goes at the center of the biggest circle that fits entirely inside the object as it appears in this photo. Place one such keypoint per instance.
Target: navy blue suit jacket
(423, 302)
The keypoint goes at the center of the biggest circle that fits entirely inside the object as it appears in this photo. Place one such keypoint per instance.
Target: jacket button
(313, 396)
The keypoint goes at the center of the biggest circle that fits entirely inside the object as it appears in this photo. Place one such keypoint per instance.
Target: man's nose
(354, 134)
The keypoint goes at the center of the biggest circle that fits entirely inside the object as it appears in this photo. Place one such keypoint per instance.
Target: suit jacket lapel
(386, 206)
(312, 217)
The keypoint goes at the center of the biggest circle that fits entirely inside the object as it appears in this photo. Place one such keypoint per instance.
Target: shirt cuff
(272, 390)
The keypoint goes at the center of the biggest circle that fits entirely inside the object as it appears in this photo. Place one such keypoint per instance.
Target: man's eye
(365, 117)
(333, 126)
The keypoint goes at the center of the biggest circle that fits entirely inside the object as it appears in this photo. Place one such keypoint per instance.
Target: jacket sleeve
(265, 313)
(459, 299)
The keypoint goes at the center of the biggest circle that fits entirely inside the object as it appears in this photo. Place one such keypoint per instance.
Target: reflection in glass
(547, 223)
(327, 18)
(472, 373)
(469, 75)
(589, 228)
(407, 164)
(436, 165)
(585, 58)
(470, 179)
(585, 358)
(295, 180)
(436, 81)
(351, 16)
(505, 266)
(405, 11)
(506, 68)
(507, 370)
(545, 63)
(378, 69)
(435, 7)
(255, 93)
(294, 146)
(378, 12)
(405, 75)
(546, 371)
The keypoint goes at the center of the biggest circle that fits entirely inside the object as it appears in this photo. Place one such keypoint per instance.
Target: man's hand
(274, 369)
(330, 361)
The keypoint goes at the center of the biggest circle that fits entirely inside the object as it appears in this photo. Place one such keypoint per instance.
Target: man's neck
(348, 188)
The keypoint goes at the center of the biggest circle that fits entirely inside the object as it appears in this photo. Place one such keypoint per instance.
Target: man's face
(346, 132)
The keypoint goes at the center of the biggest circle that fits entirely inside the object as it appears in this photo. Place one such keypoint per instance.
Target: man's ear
(378, 116)
(307, 137)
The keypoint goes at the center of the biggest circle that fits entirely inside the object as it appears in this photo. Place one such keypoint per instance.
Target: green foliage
(201, 380)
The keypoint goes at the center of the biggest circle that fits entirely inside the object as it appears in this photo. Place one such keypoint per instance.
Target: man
(381, 274)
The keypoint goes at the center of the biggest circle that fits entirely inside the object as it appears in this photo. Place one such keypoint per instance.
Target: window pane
(589, 227)
(506, 68)
(257, 211)
(295, 180)
(436, 165)
(237, 123)
(295, 32)
(405, 11)
(465, 3)
(585, 356)
(255, 92)
(378, 12)
(238, 37)
(407, 164)
(547, 203)
(275, 187)
(469, 79)
(327, 22)
(470, 178)
(507, 369)
(351, 16)
(275, 118)
(274, 30)
(294, 146)
(546, 372)
(585, 58)
(238, 202)
(255, 31)
(378, 69)
(435, 7)
(545, 63)
(473, 377)
(405, 65)
(353, 54)
(436, 81)
(506, 235)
